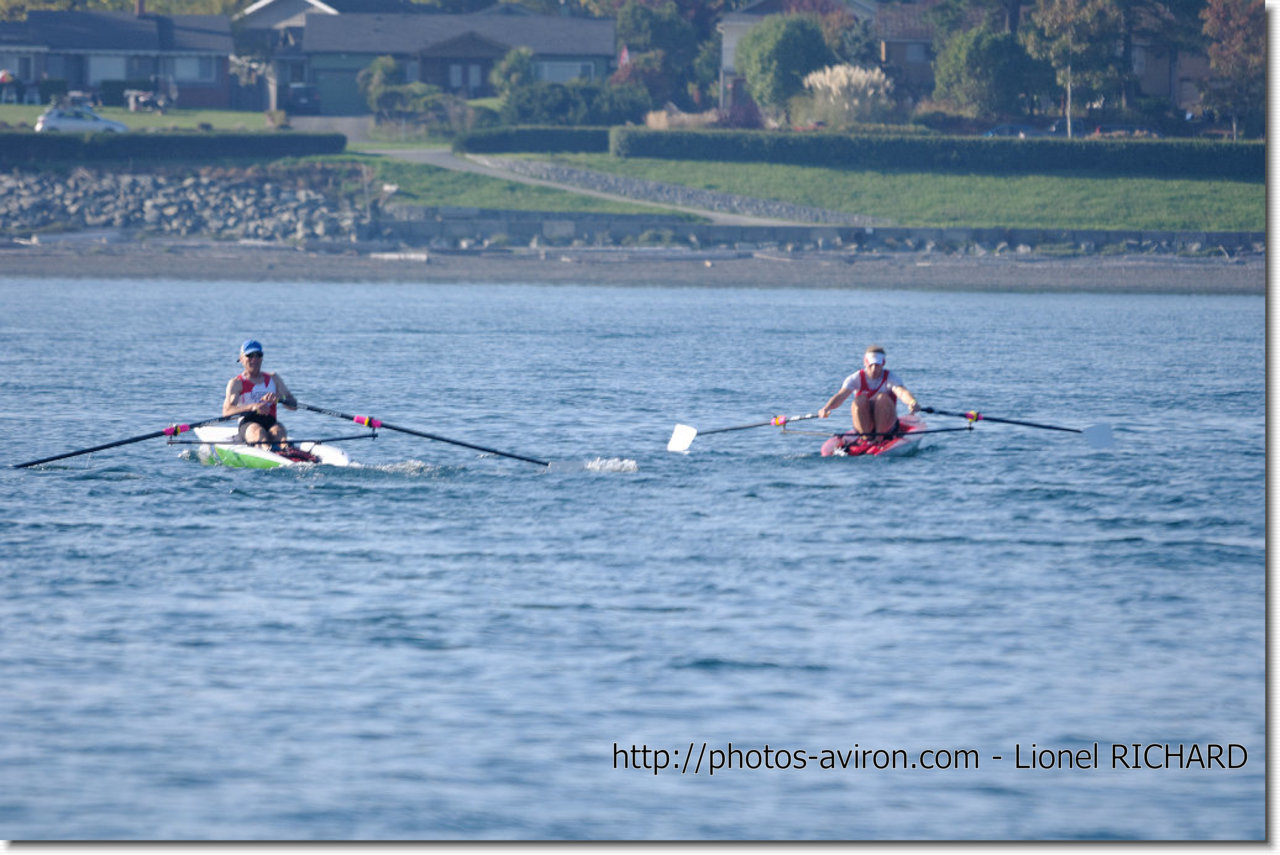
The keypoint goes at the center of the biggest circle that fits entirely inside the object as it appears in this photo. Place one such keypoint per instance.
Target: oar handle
(370, 422)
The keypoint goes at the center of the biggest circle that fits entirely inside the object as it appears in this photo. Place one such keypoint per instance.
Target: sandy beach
(87, 256)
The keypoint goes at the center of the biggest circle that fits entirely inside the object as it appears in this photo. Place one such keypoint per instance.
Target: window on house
(106, 68)
(916, 53)
(553, 71)
(1139, 60)
(194, 69)
(455, 76)
(140, 67)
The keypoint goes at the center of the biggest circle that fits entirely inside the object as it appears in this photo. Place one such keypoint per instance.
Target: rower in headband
(876, 392)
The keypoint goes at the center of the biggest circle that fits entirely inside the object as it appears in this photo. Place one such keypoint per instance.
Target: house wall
(1169, 75)
(911, 61)
(731, 32)
(212, 93)
(334, 76)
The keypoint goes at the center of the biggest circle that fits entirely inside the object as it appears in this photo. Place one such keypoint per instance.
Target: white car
(77, 120)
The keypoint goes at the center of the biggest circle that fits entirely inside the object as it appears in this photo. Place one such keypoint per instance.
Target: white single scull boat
(220, 445)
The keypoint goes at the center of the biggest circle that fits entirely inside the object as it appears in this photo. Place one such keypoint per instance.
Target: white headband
(875, 357)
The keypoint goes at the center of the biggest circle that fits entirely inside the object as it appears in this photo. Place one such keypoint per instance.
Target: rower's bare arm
(836, 400)
(231, 403)
(907, 398)
(284, 396)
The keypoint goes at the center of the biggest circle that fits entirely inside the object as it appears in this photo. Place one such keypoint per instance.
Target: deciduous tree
(1236, 30)
(775, 55)
(990, 73)
(1079, 39)
(514, 69)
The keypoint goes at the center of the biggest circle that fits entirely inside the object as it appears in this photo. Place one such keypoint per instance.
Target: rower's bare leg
(886, 410)
(253, 434)
(863, 418)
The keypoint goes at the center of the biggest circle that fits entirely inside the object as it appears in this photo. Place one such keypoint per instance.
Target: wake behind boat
(221, 445)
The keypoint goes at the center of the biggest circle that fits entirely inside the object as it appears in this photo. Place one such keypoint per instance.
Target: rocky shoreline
(321, 224)
(222, 203)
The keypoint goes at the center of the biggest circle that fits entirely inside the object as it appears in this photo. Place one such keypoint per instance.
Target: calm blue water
(446, 645)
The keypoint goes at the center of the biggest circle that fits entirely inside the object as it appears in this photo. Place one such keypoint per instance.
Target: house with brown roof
(904, 39)
(905, 42)
(186, 56)
(327, 48)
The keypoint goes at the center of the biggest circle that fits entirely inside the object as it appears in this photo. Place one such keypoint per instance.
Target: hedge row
(998, 155)
(26, 148)
(533, 138)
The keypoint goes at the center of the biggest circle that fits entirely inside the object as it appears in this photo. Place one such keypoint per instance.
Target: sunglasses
(256, 355)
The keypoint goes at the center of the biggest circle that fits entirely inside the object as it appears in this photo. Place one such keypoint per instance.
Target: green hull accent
(229, 457)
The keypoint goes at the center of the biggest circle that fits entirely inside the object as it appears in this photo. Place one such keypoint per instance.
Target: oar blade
(682, 438)
(1099, 436)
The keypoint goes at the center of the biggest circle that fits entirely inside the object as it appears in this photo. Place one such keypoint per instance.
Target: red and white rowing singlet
(864, 388)
(252, 394)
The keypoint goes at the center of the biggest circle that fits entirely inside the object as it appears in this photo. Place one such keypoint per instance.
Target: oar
(171, 430)
(1099, 436)
(370, 422)
(682, 436)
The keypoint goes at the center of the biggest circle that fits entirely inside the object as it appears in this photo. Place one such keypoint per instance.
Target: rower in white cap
(876, 391)
(253, 395)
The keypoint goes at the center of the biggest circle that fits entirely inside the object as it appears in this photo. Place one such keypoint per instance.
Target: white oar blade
(1099, 436)
(681, 438)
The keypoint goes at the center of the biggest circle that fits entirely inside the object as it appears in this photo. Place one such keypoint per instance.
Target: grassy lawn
(930, 199)
(220, 120)
(923, 199)
(428, 185)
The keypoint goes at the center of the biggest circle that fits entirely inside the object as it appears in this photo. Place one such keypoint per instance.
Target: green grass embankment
(939, 199)
(920, 199)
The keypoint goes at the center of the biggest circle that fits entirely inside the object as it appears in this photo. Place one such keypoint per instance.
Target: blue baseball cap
(250, 346)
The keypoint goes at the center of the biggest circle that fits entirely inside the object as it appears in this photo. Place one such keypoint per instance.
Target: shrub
(536, 139)
(844, 95)
(775, 55)
(1165, 158)
(25, 148)
(575, 103)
